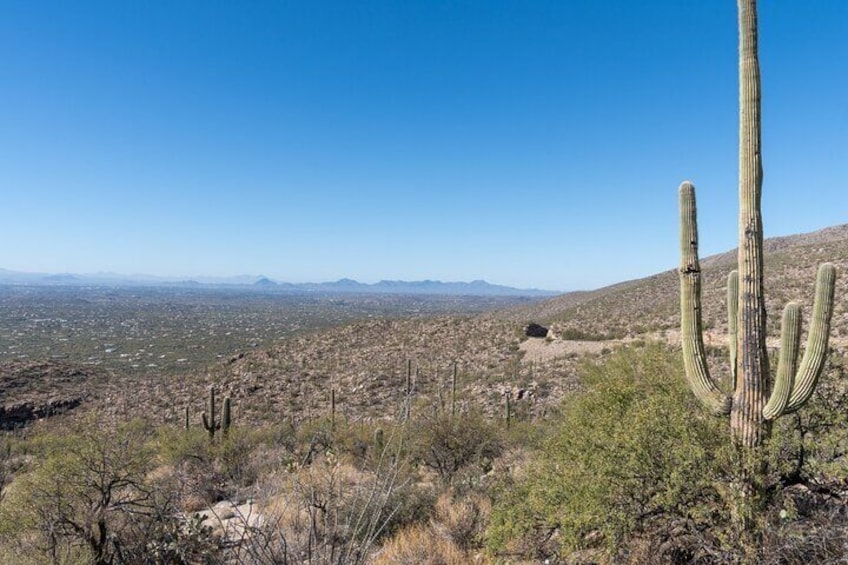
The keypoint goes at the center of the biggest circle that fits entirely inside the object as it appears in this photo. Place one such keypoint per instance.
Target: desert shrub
(330, 511)
(357, 441)
(212, 470)
(351, 440)
(11, 460)
(313, 438)
(814, 440)
(635, 448)
(575, 334)
(807, 519)
(236, 453)
(808, 527)
(88, 498)
(449, 444)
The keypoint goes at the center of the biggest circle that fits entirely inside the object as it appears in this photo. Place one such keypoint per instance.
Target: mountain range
(246, 282)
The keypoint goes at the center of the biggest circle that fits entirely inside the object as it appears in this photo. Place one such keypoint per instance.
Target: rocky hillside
(651, 304)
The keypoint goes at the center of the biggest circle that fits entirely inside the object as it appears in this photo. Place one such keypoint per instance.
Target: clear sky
(528, 143)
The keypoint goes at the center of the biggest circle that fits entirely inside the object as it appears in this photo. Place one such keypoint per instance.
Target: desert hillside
(445, 428)
(366, 361)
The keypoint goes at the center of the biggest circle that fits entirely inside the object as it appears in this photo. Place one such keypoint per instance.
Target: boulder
(535, 330)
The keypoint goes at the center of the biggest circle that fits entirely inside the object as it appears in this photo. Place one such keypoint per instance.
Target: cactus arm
(816, 352)
(732, 321)
(790, 338)
(694, 356)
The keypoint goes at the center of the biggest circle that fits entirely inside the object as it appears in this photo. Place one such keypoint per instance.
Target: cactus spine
(749, 411)
(208, 417)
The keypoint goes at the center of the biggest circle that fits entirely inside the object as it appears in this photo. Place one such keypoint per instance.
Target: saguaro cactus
(208, 417)
(407, 407)
(748, 409)
(453, 391)
(379, 442)
(332, 409)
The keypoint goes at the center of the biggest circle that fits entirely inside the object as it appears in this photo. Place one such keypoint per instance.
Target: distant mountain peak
(347, 282)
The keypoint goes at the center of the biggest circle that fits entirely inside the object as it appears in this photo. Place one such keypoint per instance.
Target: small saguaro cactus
(332, 409)
(453, 391)
(407, 409)
(379, 441)
(208, 417)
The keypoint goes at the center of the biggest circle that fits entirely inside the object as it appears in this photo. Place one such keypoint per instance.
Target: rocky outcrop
(18, 415)
(32, 391)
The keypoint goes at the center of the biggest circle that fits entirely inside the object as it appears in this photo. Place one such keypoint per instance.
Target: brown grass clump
(420, 545)
(463, 518)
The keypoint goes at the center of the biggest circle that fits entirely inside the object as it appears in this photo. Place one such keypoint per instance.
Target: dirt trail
(537, 349)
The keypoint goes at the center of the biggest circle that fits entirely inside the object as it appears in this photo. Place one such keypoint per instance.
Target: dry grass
(420, 545)
(462, 518)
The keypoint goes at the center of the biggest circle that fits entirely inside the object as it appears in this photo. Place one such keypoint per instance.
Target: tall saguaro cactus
(748, 409)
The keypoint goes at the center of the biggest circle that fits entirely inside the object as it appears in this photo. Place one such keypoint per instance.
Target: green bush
(88, 498)
(633, 449)
(448, 445)
(814, 441)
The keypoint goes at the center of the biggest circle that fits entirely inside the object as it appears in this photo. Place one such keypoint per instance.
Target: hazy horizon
(531, 145)
(247, 278)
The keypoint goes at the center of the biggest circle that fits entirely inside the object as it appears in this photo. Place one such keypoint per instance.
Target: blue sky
(534, 144)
